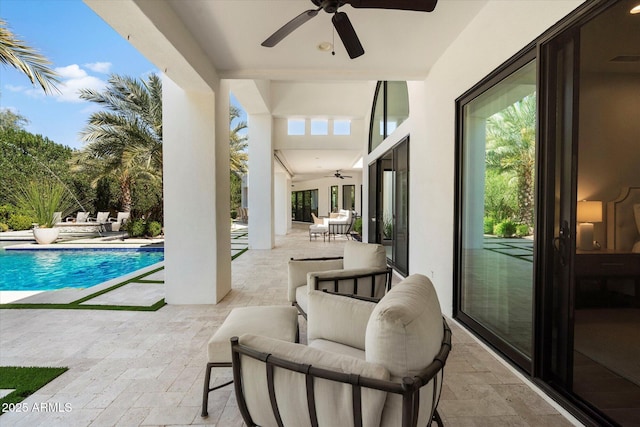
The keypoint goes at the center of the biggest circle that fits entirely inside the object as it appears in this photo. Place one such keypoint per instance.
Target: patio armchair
(340, 223)
(365, 363)
(361, 271)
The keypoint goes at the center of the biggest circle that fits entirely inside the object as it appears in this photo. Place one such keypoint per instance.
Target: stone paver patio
(147, 368)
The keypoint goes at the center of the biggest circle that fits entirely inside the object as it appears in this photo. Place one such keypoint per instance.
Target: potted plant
(47, 202)
(357, 229)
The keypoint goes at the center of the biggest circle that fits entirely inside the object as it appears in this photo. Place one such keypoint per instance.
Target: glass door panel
(497, 209)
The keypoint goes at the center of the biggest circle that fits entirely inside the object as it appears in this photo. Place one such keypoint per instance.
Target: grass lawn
(24, 382)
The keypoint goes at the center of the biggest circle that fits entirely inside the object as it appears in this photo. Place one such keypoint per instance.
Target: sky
(82, 48)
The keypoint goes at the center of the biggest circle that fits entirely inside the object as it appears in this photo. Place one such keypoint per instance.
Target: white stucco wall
(499, 31)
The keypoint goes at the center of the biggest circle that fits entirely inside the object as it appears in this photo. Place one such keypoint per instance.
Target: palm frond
(17, 54)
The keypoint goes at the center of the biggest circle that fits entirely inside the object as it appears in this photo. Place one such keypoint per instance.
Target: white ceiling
(399, 45)
(303, 81)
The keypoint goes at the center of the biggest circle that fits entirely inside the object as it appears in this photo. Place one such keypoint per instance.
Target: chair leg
(436, 418)
(206, 390)
(205, 393)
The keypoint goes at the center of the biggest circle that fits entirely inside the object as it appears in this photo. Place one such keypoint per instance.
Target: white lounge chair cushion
(337, 318)
(333, 400)
(404, 334)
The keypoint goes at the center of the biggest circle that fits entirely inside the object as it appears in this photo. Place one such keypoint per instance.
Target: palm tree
(124, 141)
(15, 53)
(511, 143)
(237, 142)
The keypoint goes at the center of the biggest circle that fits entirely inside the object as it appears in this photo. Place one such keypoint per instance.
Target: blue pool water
(43, 270)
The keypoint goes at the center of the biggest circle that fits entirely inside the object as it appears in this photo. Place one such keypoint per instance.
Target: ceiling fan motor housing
(329, 6)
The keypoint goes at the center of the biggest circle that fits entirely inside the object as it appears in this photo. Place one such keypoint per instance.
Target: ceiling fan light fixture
(325, 47)
(635, 10)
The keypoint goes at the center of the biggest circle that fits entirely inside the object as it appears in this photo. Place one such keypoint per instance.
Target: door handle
(561, 243)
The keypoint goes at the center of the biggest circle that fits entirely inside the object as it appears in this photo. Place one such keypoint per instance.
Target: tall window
(333, 197)
(497, 162)
(390, 109)
(349, 197)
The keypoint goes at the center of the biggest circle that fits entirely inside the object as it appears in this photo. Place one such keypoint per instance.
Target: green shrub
(505, 229)
(3, 227)
(18, 222)
(357, 225)
(6, 211)
(154, 228)
(488, 225)
(135, 227)
(522, 230)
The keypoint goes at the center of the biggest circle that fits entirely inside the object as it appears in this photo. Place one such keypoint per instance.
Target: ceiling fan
(341, 21)
(338, 175)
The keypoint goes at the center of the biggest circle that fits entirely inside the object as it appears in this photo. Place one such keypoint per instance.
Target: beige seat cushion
(278, 322)
(404, 334)
(333, 400)
(298, 269)
(334, 347)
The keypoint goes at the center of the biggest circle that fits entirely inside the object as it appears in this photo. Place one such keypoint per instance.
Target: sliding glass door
(389, 205)
(303, 204)
(496, 205)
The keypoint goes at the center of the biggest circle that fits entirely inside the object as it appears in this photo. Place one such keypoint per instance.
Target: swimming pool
(45, 270)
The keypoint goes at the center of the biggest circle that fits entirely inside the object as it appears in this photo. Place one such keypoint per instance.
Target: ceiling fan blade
(415, 5)
(289, 27)
(347, 34)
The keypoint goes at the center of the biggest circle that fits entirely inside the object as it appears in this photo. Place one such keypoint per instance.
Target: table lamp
(588, 212)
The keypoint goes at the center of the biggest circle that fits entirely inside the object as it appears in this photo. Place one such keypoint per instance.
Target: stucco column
(282, 203)
(196, 188)
(261, 217)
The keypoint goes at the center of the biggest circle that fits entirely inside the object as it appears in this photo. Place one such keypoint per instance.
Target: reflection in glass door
(606, 327)
(389, 205)
(496, 204)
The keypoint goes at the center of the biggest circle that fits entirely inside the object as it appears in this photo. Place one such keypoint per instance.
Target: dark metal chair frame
(409, 388)
(207, 380)
(341, 281)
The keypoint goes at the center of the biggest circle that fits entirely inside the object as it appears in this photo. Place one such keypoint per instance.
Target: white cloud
(73, 79)
(12, 88)
(72, 71)
(99, 67)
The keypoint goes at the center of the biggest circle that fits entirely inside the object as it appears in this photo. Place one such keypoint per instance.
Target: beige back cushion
(338, 318)
(404, 334)
(333, 400)
(298, 270)
(364, 255)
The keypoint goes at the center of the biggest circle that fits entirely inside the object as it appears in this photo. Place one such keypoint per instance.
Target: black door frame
(555, 382)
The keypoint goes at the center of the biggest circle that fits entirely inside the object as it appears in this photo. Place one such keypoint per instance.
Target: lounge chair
(80, 217)
(118, 222)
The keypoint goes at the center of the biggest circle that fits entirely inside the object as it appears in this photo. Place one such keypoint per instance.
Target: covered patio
(147, 368)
